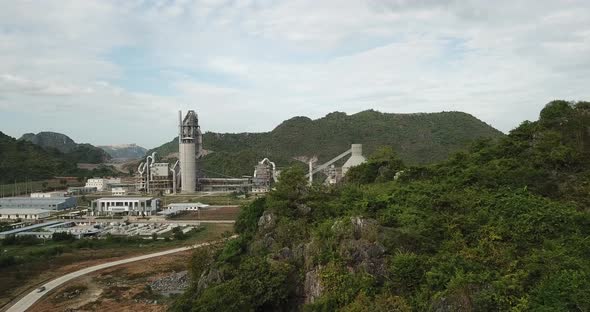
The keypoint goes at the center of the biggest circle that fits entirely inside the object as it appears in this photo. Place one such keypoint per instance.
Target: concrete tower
(356, 158)
(189, 148)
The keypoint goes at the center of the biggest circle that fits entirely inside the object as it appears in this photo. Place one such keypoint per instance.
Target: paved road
(27, 301)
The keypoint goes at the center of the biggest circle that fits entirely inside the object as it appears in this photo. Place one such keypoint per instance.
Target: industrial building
(119, 191)
(175, 208)
(49, 203)
(333, 173)
(81, 190)
(23, 214)
(225, 185)
(265, 175)
(29, 229)
(156, 177)
(163, 178)
(102, 184)
(128, 206)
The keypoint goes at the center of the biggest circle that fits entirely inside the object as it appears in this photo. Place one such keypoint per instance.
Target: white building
(129, 206)
(175, 208)
(119, 191)
(101, 184)
(23, 214)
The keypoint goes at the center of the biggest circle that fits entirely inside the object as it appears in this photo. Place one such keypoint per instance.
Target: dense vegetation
(418, 138)
(73, 152)
(21, 160)
(504, 226)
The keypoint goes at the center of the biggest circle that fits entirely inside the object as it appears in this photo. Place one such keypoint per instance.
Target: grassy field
(38, 263)
(21, 188)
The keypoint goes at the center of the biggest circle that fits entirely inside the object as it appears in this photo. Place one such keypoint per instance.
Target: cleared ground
(15, 281)
(121, 288)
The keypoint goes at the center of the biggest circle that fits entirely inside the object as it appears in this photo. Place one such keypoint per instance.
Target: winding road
(27, 301)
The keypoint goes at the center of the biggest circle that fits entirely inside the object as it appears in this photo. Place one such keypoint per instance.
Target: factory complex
(186, 176)
(135, 197)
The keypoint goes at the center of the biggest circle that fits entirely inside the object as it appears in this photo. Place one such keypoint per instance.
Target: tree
(178, 234)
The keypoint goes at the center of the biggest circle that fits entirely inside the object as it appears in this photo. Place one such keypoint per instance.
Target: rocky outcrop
(361, 255)
(267, 221)
(312, 286)
(175, 282)
(209, 277)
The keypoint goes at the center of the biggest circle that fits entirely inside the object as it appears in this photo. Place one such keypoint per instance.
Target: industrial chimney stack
(189, 148)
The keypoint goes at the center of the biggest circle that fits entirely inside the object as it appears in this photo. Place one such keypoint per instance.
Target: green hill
(418, 138)
(78, 153)
(503, 226)
(21, 160)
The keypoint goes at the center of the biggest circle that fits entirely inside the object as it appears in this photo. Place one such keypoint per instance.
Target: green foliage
(178, 234)
(259, 286)
(382, 166)
(419, 139)
(21, 159)
(502, 226)
(62, 237)
(247, 221)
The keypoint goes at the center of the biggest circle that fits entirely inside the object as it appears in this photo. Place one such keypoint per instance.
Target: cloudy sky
(108, 72)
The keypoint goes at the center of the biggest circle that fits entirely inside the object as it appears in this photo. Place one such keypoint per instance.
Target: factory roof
(30, 227)
(22, 211)
(35, 198)
(125, 198)
(187, 205)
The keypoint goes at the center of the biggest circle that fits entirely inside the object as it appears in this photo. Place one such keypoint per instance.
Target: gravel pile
(171, 283)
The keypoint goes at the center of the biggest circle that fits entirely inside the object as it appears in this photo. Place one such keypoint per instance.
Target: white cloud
(247, 65)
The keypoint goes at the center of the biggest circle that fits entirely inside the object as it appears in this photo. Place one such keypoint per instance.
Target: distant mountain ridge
(418, 138)
(124, 151)
(79, 153)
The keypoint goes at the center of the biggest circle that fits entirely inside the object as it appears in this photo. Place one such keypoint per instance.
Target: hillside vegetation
(21, 160)
(77, 153)
(418, 138)
(504, 226)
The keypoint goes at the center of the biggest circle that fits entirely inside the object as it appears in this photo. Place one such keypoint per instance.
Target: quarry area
(140, 286)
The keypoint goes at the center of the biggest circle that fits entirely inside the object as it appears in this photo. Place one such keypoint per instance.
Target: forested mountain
(78, 153)
(21, 160)
(504, 226)
(124, 151)
(418, 138)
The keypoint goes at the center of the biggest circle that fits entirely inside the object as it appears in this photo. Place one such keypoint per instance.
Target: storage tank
(356, 158)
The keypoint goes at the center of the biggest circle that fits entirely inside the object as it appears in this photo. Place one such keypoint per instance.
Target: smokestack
(188, 138)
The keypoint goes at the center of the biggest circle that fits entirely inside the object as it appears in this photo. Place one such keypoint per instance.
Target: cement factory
(185, 177)
(136, 198)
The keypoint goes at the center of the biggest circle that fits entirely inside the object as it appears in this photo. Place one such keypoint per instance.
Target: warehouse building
(102, 184)
(49, 203)
(128, 206)
(81, 190)
(23, 214)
